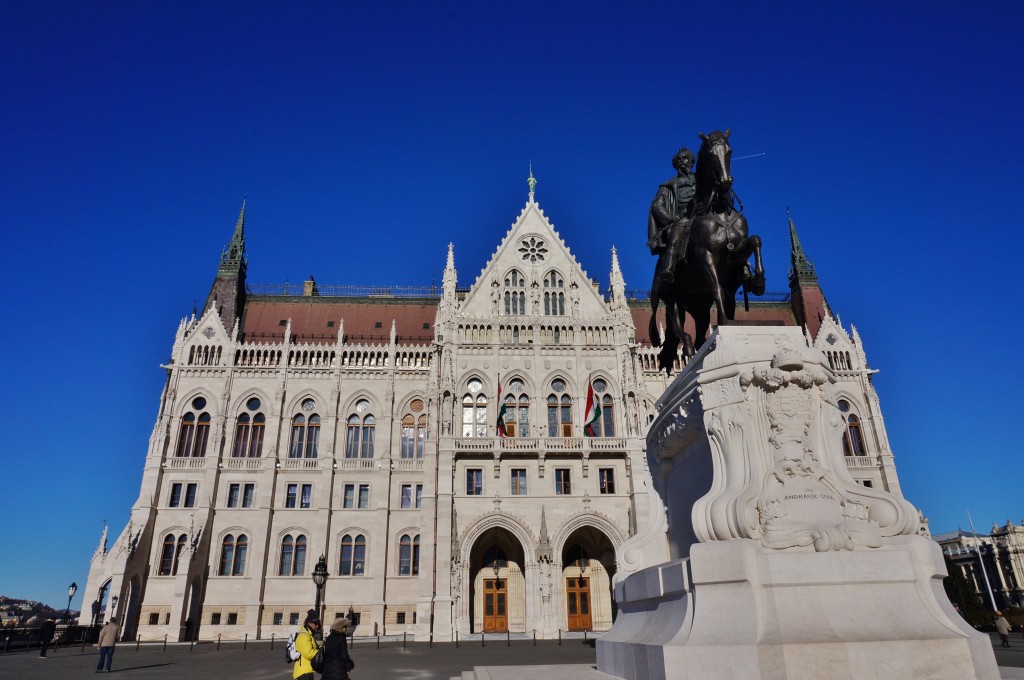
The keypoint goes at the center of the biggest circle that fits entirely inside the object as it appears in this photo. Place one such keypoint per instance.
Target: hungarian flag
(592, 414)
(501, 411)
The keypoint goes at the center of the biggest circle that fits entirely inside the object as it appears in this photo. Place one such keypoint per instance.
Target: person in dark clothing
(337, 662)
(45, 636)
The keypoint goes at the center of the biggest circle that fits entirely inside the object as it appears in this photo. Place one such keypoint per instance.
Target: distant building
(1003, 554)
(361, 424)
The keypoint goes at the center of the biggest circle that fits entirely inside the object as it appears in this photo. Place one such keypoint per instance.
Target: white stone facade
(461, 530)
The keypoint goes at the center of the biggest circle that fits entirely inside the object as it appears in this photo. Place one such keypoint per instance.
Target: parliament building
(361, 425)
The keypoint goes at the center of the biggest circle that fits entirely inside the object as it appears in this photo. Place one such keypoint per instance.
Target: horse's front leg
(707, 260)
(757, 284)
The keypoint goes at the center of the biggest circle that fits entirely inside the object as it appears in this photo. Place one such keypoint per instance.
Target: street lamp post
(320, 578)
(72, 589)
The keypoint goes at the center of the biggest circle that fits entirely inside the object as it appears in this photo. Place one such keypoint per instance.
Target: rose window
(533, 249)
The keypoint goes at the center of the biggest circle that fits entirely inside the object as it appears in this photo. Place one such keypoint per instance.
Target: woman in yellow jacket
(305, 645)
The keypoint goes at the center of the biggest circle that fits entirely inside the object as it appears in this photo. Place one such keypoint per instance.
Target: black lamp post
(72, 589)
(320, 578)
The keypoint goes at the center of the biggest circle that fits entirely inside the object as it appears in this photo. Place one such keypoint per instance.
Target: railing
(769, 296)
(185, 463)
(300, 464)
(356, 463)
(349, 291)
(243, 464)
(860, 461)
(554, 445)
(607, 443)
(409, 464)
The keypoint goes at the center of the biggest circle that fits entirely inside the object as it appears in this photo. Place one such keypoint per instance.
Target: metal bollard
(245, 644)
(482, 643)
(218, 642)
(165, 642)
(430, 642)
(456, 639)
(508, 638)
(534, 637)
(138, 640)
(559, 637)
(584, 636)
(378, 640)
(272, 642)
(191, 642)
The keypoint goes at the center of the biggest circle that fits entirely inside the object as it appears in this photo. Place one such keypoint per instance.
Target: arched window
(608, 416)
(517, 410)
(194, 432)
(409, 555)
(515, 294)
(414, 430)
(853, 442)
(554, 295)
(353, 555)
(559, 411)
(305, 436)
(232, 555)
(359, 443)
(249, 432)
(293, 556)
(474, 411)
(171, 553)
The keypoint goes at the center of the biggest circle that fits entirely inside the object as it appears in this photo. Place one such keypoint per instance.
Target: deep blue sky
(368, 138)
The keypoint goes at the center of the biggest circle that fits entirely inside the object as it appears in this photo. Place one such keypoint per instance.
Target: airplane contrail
(753, 155)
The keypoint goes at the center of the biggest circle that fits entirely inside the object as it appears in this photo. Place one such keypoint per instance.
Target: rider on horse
(668, 222)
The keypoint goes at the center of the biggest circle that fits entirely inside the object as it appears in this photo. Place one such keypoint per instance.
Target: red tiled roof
(310, 317)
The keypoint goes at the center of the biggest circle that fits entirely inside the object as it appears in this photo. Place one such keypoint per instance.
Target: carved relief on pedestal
(799, 504)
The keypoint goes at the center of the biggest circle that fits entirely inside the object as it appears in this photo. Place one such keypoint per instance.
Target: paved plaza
(574, 658)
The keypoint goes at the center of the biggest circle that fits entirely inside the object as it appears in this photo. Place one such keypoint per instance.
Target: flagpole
(981, 558)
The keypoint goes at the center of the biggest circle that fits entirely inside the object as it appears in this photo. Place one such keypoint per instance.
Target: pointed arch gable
(511, 524)
(184, 404)
(294, 405)
(587, 519)
(238, 407)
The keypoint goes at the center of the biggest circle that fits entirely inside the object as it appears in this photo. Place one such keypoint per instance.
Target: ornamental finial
(532, 182)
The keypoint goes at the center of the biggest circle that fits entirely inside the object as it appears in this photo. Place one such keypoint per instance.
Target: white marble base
(737, 610)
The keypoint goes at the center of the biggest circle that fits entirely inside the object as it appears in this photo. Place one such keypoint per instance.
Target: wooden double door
(495, 605)
(577, 601)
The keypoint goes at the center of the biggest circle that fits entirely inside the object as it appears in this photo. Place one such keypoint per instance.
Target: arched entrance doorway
(130, 623)
(588, 565)
(498, 583)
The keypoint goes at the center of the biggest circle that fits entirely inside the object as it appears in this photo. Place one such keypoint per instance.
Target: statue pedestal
(781, 566)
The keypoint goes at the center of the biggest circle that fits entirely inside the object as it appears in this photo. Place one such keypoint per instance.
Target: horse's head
(715, 159)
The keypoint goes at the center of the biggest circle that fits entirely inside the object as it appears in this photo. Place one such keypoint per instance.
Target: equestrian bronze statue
(703, 246)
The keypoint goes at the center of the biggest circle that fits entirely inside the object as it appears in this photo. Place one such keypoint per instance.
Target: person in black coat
(337, 662)
(46, 636)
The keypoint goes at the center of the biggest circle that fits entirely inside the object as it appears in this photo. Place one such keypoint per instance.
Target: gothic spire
(544, 544)
(450, 278)
(617, 282)
(802, 271)
(232, 259)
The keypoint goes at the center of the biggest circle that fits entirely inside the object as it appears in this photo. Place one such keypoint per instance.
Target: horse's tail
(652, 329)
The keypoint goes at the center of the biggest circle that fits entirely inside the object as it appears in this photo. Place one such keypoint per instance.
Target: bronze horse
(715, 264)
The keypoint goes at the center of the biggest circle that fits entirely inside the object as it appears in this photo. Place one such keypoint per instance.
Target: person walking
(46, 636)
(305, 645)
(337, 662)
(108, 638)
(1003, 628)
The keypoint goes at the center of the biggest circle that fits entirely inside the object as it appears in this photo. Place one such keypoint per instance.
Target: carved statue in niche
(495, 296)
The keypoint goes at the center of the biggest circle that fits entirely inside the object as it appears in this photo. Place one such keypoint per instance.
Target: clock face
(362, 406)
(308, 405)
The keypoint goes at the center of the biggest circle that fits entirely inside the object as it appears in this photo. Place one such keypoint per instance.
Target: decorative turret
(808, 300)
(617, 283)
(228, 289)
(450, 277)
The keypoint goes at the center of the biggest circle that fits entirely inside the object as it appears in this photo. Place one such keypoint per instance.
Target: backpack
(291, 655)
